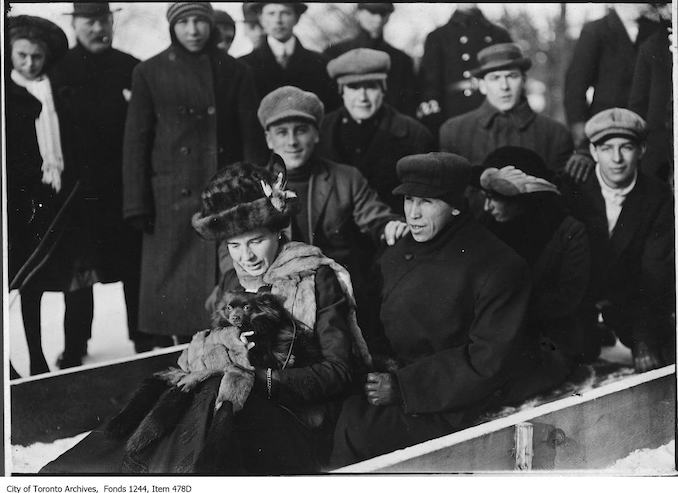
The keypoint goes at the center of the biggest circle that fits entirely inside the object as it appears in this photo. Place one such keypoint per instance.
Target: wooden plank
(63, 404)
(523, 446)
(598, 426)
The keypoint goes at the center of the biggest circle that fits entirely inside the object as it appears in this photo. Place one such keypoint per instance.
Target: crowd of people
(444, 248)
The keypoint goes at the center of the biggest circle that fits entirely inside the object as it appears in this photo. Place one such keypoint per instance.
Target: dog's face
(236, 308)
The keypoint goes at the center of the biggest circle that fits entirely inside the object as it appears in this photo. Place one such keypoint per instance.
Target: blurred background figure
(401, 81)
(251, 27)
(652, 97)
(44, 254)
(281, 60)
(226, 26)
(603, 61)
(367, 132)
(445, 80)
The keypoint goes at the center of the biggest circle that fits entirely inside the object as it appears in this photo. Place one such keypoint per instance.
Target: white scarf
(46, 128)
(614, 199)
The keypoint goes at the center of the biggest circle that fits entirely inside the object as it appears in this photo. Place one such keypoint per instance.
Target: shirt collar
(279, 49)
(522, 113)
(615, 192)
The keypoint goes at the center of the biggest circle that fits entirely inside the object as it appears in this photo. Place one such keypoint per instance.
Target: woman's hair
(37, 30)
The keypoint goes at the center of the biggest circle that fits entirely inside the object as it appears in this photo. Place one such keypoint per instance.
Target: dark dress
(273, 436)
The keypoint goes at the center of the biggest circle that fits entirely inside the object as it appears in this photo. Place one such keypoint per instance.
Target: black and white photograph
(338, 239)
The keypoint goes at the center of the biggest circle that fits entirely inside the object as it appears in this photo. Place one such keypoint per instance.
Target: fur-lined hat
(244, 197)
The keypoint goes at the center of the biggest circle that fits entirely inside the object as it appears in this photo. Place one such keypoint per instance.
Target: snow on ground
(30, 459)
(648, 462)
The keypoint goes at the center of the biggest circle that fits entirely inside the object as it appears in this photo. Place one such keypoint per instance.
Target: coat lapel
(595, 206)
(630, 218)
(320, 187)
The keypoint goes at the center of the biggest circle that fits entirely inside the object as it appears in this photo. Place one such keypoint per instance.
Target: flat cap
(377, 8)
(299, 8)
(288, 103)
(434, 175)
(501, 56)
(615, 122)
(359, 65)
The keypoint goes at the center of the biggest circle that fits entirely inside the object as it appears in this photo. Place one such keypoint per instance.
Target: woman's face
(255, 250)
(28, 58)
(502, 210)
(426, 217)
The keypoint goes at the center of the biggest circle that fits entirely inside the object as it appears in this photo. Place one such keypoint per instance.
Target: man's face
(95, 34)
(227, 34)
(293, 140)
(28, 58)
(503, 88)
(371, 22)
(278, 21)
(363, 99)
(193, 32)
(617, 159)
(255, 33)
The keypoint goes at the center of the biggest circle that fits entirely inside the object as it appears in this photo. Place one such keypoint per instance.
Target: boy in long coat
(193, 111)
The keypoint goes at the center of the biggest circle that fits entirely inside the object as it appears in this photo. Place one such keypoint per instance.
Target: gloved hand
(142, 223)
(644, 358)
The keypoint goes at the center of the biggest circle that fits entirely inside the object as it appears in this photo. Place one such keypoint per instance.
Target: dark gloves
(142, 223)
(382, 389)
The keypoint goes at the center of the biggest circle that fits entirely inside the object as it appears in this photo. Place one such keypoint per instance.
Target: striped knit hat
(177, 10)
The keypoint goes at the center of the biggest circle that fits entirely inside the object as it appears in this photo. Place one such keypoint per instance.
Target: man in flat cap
(93, 83)
(505, 117)
(445, 82)
(340, 213)
(401, 81)
(192, 112)
(630, 221)
(281, 60)
(452, 306)
(367, 132)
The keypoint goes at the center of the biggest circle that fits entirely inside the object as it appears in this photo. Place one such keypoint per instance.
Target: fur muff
(244, 197)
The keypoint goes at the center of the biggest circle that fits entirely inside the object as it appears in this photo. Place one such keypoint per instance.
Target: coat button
(466, 74)
(211, 110)
(466, 57)
(488, 39)
(463, 40)
(172, 57)
(185, 151)
(409, 256)
(191, 111)
(467, 92)
(185, 192)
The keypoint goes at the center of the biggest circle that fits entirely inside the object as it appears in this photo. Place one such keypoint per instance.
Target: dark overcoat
(652, 98)
(634, 267)
(401, 83)
(603, 58)
(453, 312)
(450, 53)
(305, 69)
(397, 136)
(189, 115)
(477, 133)
(92, 105)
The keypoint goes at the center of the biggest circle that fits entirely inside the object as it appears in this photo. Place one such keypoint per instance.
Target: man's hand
(645, 359)
(579, 166)
(394, 230)
(382, 389)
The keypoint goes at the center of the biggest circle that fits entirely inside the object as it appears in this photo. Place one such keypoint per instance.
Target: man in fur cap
(192, 112)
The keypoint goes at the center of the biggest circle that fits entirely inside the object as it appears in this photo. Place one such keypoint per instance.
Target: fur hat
(243, 197)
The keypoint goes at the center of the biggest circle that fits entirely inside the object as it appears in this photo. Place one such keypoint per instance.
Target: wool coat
(450, 53)
(397, 136)
(89, 89)
(633, 269)
(401, 83)
(652, 98)
(452, 312)
(305, 69)
(604, 58)
(189, 115)
(477, 133)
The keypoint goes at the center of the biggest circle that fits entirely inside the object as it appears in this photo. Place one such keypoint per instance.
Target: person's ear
(593, 151)
(269, 139)
(482, 86)
(643, 148)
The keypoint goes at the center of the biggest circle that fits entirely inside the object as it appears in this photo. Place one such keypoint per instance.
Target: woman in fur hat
(286, 423)
(39, 181)
(523, 208)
